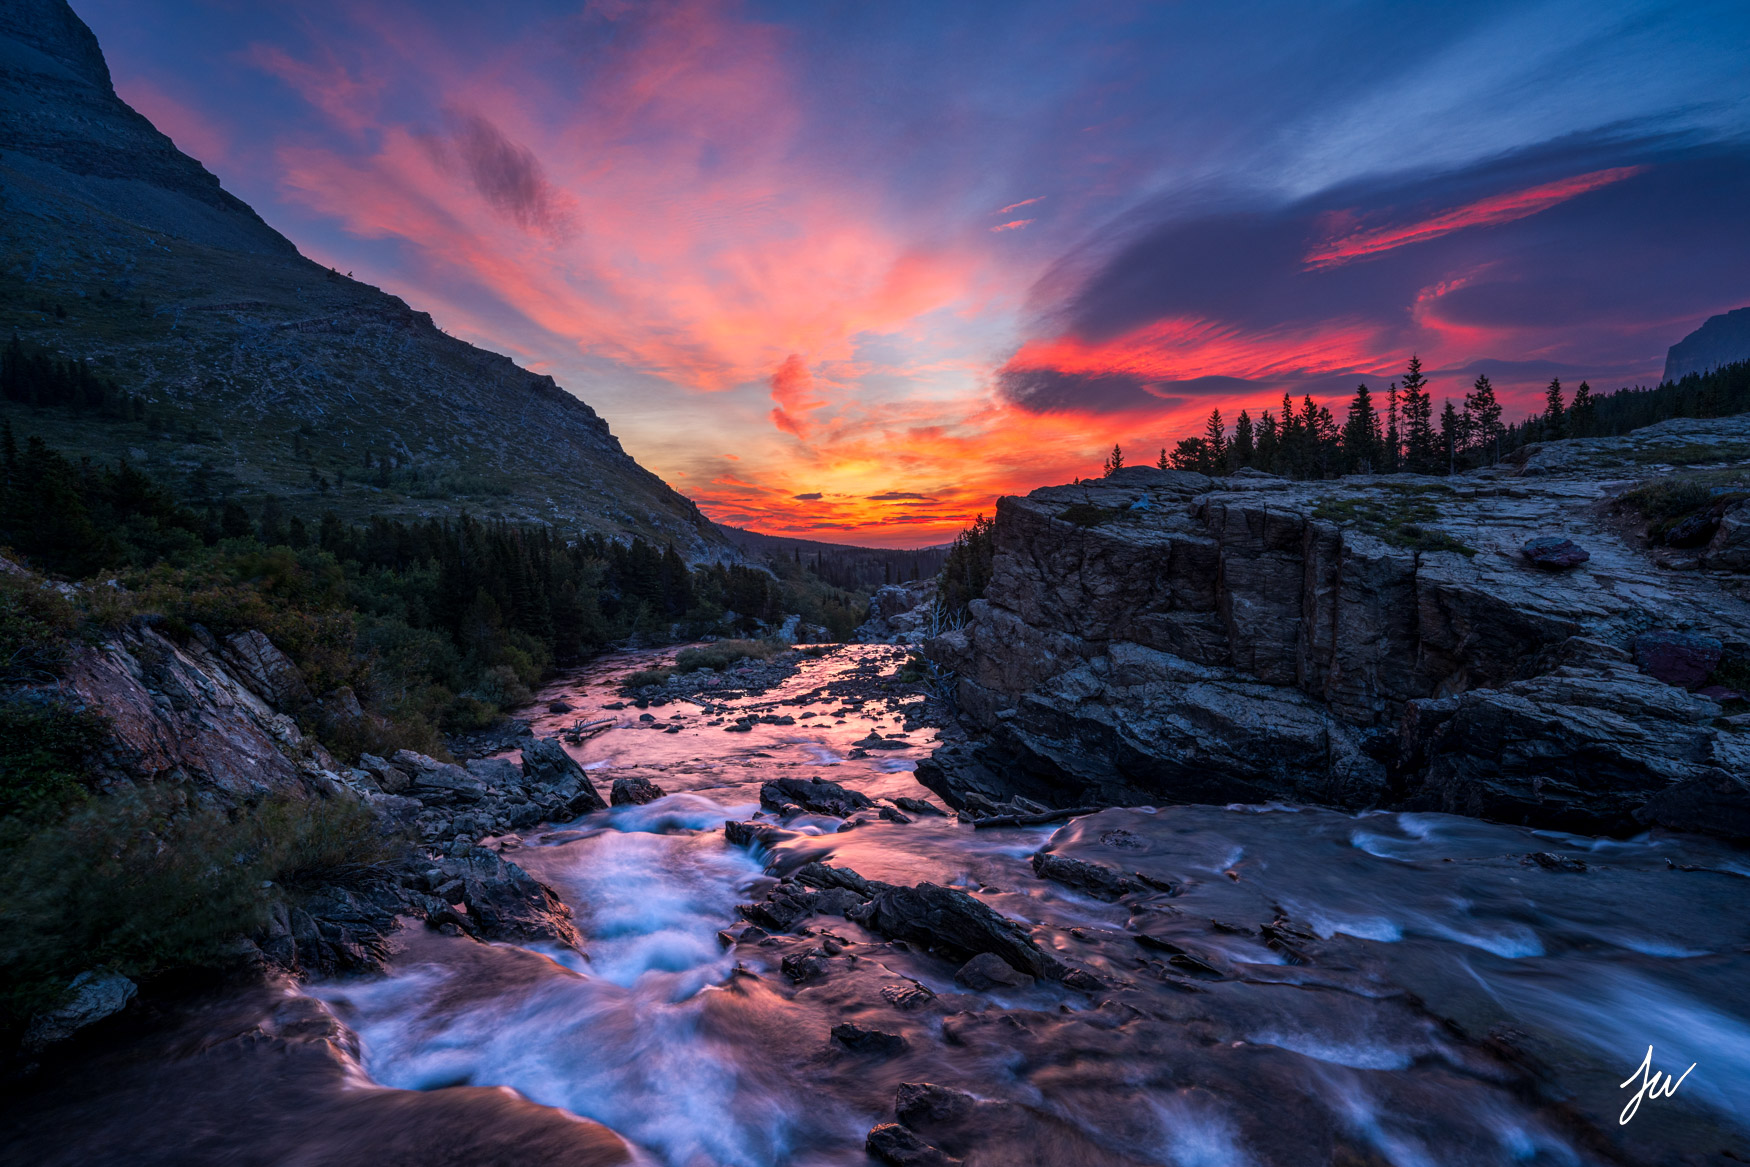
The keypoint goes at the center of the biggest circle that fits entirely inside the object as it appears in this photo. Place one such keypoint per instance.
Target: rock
(908, 996)
(805, 968)
(1096, 880)
(868, 1041)
(925, 1104)
(953, 924)
(896, 1146)
(988, 971)
(635, 790)
(916, 805)
(1552, 553)
(1713, 802)
(1693, 530)
(95, 996)
(495, 772)
(1678, 658)
(506, 902)
(1249, 639)
(439, 782)
(560, 706)
(899, 613)
(391, 778)
(265, 669)
(547, 765)
(816, 795)
(754, 834)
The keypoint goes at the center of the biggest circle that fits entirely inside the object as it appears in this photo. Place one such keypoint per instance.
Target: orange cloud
(1489, 212)
(1022, 203)
(1184, 349)
(1016, 225)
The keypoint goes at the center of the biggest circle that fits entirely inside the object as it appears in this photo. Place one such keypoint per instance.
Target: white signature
(1651, 1086)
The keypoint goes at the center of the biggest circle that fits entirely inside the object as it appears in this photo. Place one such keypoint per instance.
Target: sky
(849, 271)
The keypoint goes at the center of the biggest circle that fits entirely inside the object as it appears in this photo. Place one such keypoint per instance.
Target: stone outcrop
(899, 614)
(1160, 636)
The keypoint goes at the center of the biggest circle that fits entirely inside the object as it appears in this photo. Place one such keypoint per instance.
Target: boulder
(505, 902)
(816, 795)
(953, 924)
(1097, 880)
(1729, 549)
(988, 971)
(95, 995)
(547, 765)
(868, 1041)
(391, 778)
(925, 1104)
(634, 790)
(498, 773)
(1553, 553)
(896, 1146)
(1678, 658)
(439, 782)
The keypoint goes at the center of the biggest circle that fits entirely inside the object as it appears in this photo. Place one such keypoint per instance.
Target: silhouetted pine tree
(1361, 453)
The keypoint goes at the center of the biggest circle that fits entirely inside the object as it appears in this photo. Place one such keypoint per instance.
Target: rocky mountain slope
(1721, 340)
(1160, 636)
(264, 372)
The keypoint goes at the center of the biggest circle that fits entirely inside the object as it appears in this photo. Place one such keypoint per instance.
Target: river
(1465, 993)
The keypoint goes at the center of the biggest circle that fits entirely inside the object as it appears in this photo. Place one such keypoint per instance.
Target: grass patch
(1400, 521)
(723, 654)
(1665, 503)
(643, 677)
(1689, 454)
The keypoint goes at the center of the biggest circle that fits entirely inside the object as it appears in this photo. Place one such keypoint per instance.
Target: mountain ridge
(264, 373)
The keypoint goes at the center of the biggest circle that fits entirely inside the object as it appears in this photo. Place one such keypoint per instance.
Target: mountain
(840, 564)
(263, 373)
(1722, 340)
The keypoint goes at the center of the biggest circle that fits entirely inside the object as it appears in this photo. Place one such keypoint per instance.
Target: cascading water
(1310, 987)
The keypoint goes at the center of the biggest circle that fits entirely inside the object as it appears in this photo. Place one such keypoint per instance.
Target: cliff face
(1162, 636)
(1721, 340)
(265, 372)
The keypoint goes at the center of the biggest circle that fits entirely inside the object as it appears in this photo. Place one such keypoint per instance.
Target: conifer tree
(1484, 413)
(1269, 446)
(1361, 434)
(1555, 421)
(1394, 443)
(1215, 442)
(1244, 448)
(1452, 436)
(1419, 447)
(1162, 462)
(1114, 460)
(1583, 413)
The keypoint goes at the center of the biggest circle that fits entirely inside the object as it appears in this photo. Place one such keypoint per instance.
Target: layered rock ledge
(1161, 636)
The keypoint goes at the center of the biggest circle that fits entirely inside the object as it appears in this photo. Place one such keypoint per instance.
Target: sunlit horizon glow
(851, 273)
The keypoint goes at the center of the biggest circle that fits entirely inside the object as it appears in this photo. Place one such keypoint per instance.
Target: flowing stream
(1316, 987)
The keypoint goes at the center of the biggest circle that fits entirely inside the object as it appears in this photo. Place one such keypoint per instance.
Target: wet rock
(1693, 531)
(95, 996)
(1552, 553)
(1714, 802)
(908, 996)
(634, 790)
(821, 875)
(754, 834)
(560, 706)
(1729, 550)
(814, 794)
(1093, 878)
(805, 968)
(868, 1041)
(896, 1146)
(955, 925)
(1678, 658)
(888, 814)
(1550, 861)
(988, 971)
(925, 1104)
(547, 765)
(916, 805)
(506, 902)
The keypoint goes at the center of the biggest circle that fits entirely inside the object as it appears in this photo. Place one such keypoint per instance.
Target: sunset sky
(850, 270)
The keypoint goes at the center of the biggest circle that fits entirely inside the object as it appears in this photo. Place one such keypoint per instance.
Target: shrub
(36, 630)
(645, 677)
(155, 880)
(722, 654)
(44, 747)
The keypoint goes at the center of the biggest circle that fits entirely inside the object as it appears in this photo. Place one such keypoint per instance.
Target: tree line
(1405, 435)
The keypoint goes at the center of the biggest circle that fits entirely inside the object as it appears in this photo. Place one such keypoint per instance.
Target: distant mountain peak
(1721, 340)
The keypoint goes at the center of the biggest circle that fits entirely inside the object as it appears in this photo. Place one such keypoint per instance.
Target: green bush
(36, 630)
(645, 677)
(148, 881)
(45, 745)
(723, 654)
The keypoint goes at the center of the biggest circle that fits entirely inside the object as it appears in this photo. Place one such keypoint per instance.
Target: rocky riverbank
(1161, 636)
